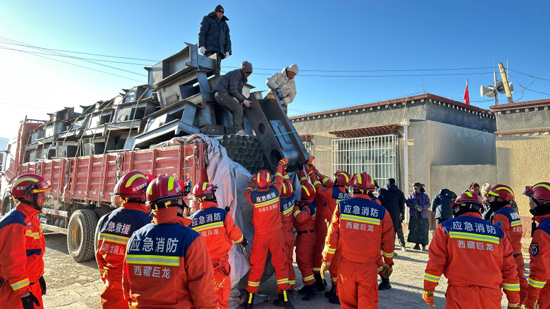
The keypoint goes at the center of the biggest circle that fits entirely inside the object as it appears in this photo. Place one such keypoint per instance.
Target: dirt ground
(77, 285)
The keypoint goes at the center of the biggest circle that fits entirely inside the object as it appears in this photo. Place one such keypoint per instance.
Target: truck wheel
(80, 238)
(7, 205)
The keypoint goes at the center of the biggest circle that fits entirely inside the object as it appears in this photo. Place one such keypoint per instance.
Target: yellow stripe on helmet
(25, 179)
(307, 191)
(204, 184)
(542, 185)
(131, 180)
(171, 181)
(359, 178)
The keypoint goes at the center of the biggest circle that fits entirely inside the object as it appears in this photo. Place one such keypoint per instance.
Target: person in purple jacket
(419, 224)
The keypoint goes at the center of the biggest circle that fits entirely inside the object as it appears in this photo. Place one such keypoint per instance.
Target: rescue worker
(476, 258)
(229, 94)
(167, 265)
(360, 220)
(22, 245)
(509, 222)
(330, 196)
(268, 233)
(304, 213)
(282, 84)
(114, 231)
(538, 295)
(287, 201)
(184, 210)
(214, 36)
(219, 231)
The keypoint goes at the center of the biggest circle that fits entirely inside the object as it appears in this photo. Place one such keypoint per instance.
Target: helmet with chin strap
(29, 184)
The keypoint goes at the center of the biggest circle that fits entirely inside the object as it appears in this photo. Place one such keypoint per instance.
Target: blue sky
(349, 52)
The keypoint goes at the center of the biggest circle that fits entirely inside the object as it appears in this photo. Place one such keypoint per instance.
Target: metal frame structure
(377, 155)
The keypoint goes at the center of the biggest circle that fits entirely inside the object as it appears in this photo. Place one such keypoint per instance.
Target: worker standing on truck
(229, 94)
(114, 231)
(360, 220)
(22, 245)
(214, 36)
(219, 231)
(282, 84)
(475, 256)
(167, 265)
(304, 213)
(268, 233)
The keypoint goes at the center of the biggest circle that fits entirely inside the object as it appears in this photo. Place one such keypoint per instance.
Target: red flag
(466, 96)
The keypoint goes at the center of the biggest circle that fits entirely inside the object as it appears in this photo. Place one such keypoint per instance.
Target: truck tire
(7, 205)
(80, 236)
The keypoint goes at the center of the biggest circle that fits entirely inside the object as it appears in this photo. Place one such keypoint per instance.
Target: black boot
(416, 247)
(334, 300)
(332, 291)
(319, 283)
(284, 300)
(303, 290)
(311, 292)
(249, 301)
(384, 285)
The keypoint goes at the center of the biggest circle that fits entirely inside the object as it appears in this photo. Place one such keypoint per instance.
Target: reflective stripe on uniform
(474, 236)
(317, 269)
(208, 226)
(240, 239)
(282, 281)
(34, 235)
(20, 284)
(253, 283)
(536, 284)
(309, 278)
(515, 223)
(297, 212)
(114, 238)
(431, 278)
(388, 255)
(329, 250)
(511, 286)
(267, 203)
(360, 219)
(153, 260)
(289, 209)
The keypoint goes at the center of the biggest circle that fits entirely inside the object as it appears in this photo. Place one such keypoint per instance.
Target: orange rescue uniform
(305, 223)
(22, 248)
(510, 223)
(359, 220)
(167, 265)
(287, 211)
(114, 231)
(268, 234)
(219, 231)
(539, 266)
(477, 259)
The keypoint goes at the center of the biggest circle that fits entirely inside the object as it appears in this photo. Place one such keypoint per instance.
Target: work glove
(531, 304)
(310, 160)
(244, 243)
(226, 54)
(513, 305)
(279, 92)
(247, 103)
(324, 267)
(202, 50)
(218, 279)
(30, 301)
(42, 285)
(283, 162)
(429, 298)
(385, 271)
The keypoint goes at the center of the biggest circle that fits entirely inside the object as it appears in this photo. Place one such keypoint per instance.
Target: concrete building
(426, 138)
(523, 148)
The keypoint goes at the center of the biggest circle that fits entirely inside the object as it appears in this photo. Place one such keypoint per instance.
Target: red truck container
(82, 187)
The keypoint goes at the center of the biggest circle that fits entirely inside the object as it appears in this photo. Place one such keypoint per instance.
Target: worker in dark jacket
(214, 36)
(393, 200)
(229, 94)
(441, 205)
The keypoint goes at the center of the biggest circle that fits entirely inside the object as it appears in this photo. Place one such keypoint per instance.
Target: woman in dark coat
(419, 224)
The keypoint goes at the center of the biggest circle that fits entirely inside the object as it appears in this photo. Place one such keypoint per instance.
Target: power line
(371, 71)
(74, 52)
(532, 76)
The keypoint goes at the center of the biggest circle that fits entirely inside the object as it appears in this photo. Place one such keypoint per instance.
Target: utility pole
(495, 88)
(505, 82)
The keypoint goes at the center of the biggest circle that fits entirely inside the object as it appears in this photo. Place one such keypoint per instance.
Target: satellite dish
(487, 91)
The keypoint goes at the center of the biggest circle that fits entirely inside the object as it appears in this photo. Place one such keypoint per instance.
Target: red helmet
(263, 179)
(502, 191)
(29, 184)
(307, 191)
(150, 177)
(287, 188)
(363, 181)
(343, 178)
(204, 189)
(163, 189)
(539, 192)
(132, 185)
(468, 197)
